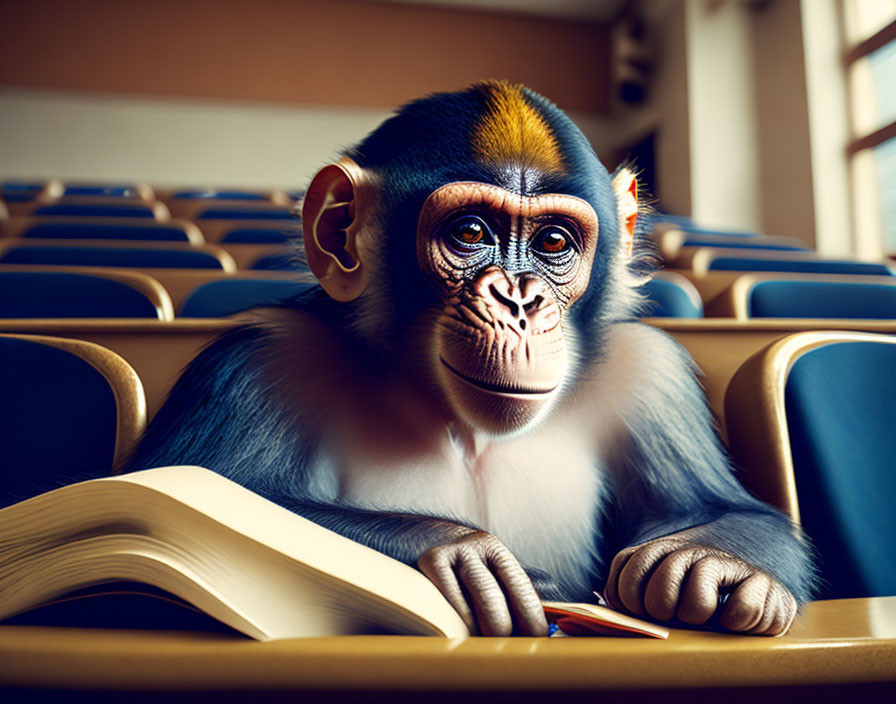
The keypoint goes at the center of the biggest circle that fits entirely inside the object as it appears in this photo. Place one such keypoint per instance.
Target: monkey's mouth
(495, 388)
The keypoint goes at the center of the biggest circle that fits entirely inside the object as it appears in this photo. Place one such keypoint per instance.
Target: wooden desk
(835, 647)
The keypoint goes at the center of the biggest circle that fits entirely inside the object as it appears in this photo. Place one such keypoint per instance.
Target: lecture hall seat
(257, 223)
(764, 295)
(28, 191)
(87, 293)
(218, 299)
(704, 260)
(69, 410)
(127, 255)
(133, 191)
(189, 202)
(254, 212)
(816, 409)
(670, 295)
(81, 228)
(671, 242)
(100, 208)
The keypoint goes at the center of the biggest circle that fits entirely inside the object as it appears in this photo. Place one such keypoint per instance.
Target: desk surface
(832, 642)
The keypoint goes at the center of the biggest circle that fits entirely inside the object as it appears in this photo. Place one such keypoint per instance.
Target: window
(871, 63)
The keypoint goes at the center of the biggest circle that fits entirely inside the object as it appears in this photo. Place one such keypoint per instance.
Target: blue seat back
(51, 294)
(808, 266)
(281, 261)
(58, 419)
(258, 235)
(112, 256)
(218, 299)
(696, 230)
(840, 401)
(739, 242)
(102, 190)
(106, 231)
(218, 195)
(20, 191)
(248, 213)
(666, 299)
(96, 210)
(821, 299)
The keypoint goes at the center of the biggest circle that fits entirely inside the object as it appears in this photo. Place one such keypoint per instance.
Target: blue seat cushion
(57, 420)
(840, 401)
(821, 299)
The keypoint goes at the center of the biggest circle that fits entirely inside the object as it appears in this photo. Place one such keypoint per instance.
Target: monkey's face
(507, 268)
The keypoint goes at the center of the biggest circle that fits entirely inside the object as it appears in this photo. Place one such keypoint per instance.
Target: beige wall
(665, 110)
(262, 92)
(256, 92)
(721, 106)
(338, 52)
(174, 142)
(782, 116)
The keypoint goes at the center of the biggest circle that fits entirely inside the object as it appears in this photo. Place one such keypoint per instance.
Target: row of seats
(235, 226)
(131, 225)
(83, 292)
(228, 258)
(25, 195)
(735, 275)
(828, 414)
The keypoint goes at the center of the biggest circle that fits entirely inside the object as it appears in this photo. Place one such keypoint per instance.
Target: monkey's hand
(484, 582)
(670, 578)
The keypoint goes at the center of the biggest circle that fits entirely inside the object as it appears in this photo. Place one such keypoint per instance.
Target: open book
(232, 554)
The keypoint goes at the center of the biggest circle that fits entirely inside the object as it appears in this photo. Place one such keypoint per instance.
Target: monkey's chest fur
(538, 494)
(540, 491)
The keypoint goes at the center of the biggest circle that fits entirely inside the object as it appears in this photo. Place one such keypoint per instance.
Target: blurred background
(777, 116)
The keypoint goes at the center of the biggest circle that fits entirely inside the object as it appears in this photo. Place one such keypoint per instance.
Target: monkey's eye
(470, 231)
(552, 239)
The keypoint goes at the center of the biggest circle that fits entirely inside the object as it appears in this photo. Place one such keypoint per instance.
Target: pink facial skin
(500, 338)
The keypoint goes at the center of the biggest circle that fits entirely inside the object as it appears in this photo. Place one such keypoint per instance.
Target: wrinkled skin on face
(507, 267)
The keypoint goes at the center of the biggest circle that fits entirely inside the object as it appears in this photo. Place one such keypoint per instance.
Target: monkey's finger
(487, 597)
(663, 589)
(437, 565)
(633, 577)
(611, 589)
(700, 596)
(780, 610)
(524, 602)
(745, 608)
(760, 606)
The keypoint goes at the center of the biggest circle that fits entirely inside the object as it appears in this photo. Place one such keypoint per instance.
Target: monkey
(468, 390)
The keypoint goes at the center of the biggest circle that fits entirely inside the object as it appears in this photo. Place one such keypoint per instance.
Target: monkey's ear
(625, 186)
(330, 230)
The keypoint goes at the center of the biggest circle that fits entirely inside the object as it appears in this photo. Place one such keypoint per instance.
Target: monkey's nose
(525, 312)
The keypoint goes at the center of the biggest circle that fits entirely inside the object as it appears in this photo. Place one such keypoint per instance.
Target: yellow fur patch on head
(511, 131)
